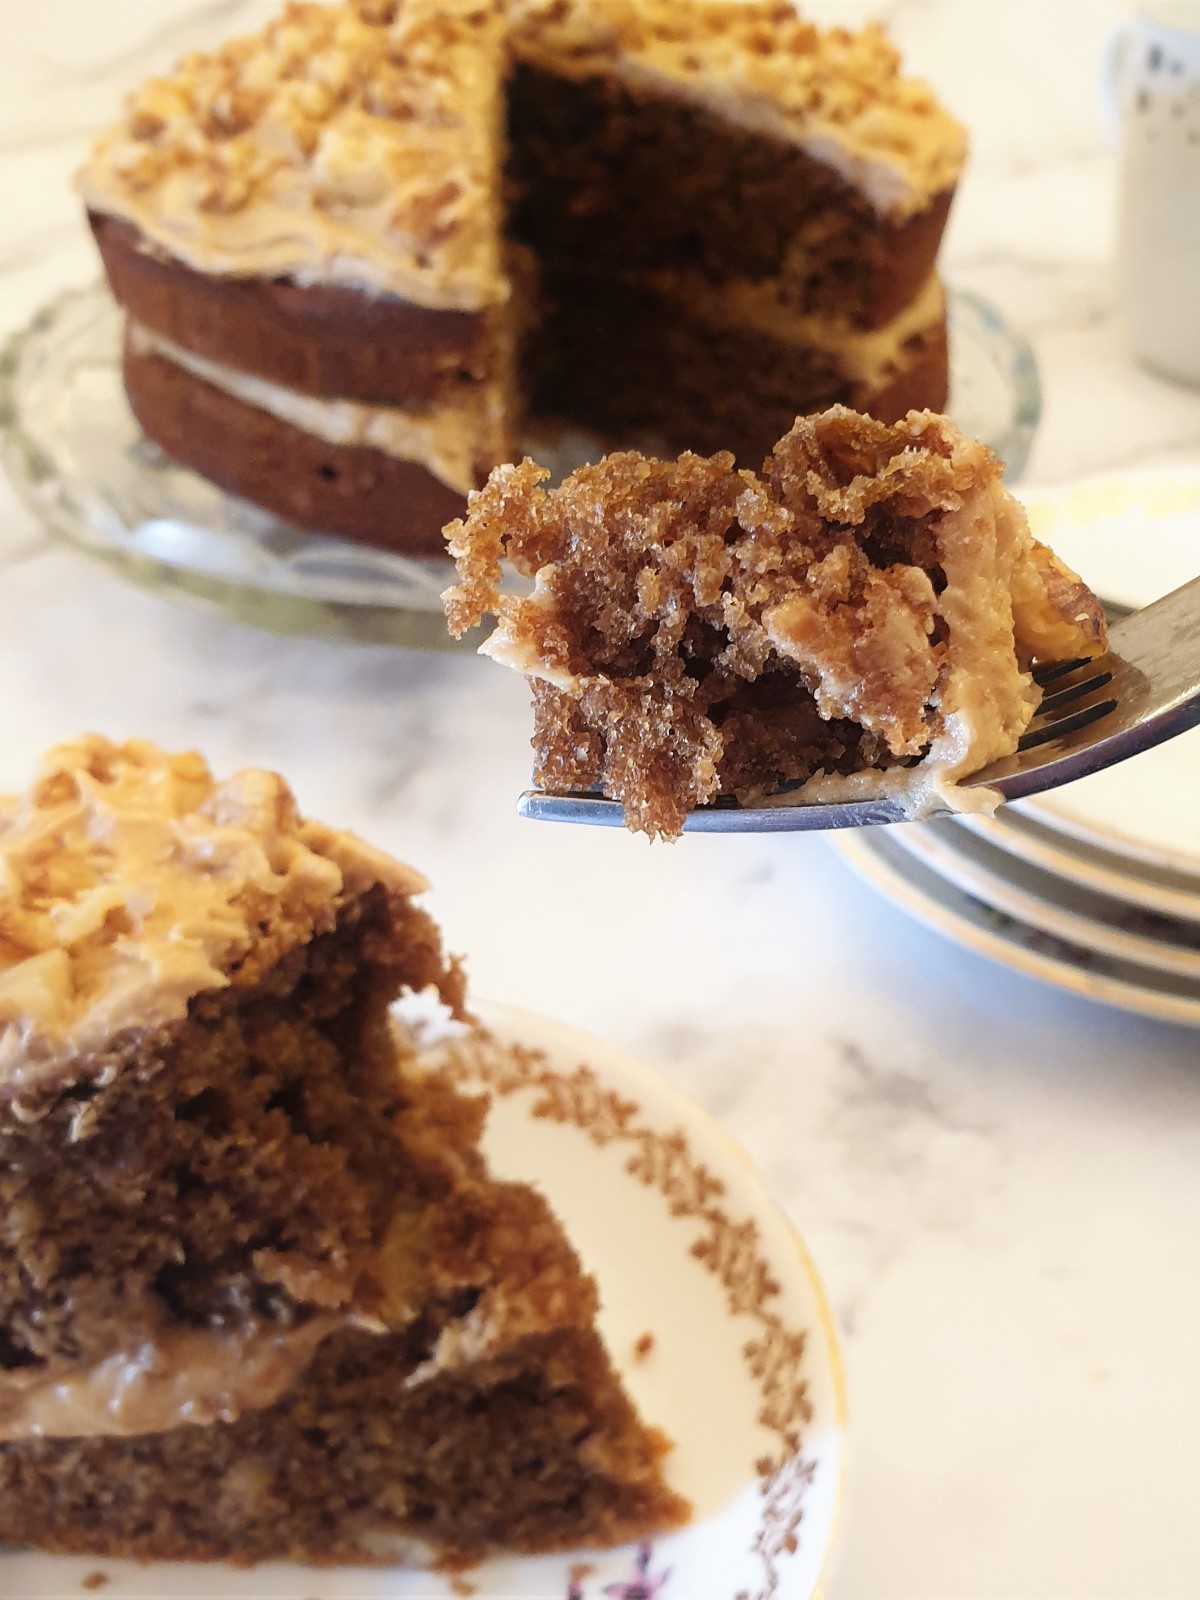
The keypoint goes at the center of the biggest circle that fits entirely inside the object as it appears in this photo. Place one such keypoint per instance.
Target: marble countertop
(998, 1181)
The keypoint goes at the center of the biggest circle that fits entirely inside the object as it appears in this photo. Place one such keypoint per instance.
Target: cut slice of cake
(353, 247)
(858, 620)
(259, 1295)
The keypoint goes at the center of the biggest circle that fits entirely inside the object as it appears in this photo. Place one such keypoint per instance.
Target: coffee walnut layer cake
(355, 247)
(858, 620)
(259, 1296)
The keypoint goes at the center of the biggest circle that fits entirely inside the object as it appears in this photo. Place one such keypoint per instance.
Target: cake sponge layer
(195, 1116)
(354, 490)
(320, 339)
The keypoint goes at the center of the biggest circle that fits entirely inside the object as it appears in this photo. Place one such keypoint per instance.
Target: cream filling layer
(447, 440)
(864, 355)
(195, 1376)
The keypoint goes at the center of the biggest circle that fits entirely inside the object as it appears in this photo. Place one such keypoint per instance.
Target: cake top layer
(131, 881)
(355, 144)
(361, 143)
(838, 94)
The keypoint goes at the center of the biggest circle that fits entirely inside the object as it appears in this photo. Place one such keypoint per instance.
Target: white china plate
(1147, 809)
(744, 1372)
(1156, 888)
(1052, 904)
(77, 458)
(942, 905)
(1134, 538)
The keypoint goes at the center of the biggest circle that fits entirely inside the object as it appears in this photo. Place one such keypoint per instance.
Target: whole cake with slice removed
(259, 1295)
(858, 620)
(356, 247)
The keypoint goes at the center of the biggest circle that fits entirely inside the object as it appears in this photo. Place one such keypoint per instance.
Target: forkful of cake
(864, 632)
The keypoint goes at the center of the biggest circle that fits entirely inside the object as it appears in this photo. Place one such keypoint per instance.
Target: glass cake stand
(79, 461)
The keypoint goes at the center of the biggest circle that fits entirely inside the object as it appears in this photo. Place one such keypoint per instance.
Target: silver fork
(1145, 689)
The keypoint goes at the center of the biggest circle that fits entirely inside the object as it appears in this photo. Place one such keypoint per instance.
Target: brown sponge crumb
(697, 630)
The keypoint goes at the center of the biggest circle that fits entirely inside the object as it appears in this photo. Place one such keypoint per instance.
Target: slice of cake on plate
(259, 1295)
(354, 247)
(857, 620)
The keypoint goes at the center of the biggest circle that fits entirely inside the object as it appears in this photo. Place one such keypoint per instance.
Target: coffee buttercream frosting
(361, 143)
(194, 1376)
(131, 881)
(355, 144)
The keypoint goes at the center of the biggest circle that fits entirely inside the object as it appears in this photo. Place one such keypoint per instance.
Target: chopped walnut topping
(130, 881)
(364, 134)
(362, 141)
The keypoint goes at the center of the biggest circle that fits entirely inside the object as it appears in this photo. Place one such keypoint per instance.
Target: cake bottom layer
(352, 490)
(639, 364)
(534, 1449)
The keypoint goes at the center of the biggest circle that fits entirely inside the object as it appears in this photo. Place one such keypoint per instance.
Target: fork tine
(766, 818)
(1081, 717)
(1084, 684)
(1050, 671)
(543, 806)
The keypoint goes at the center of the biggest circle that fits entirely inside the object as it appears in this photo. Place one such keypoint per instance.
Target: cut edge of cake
(837, 93)
(250, 1237)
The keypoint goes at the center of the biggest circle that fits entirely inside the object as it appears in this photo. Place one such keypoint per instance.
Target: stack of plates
(1095, 887)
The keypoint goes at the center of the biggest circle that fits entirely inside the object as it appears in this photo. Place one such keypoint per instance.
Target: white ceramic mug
(1152, 83)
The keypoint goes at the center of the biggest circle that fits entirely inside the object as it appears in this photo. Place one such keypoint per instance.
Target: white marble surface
(998, 1181)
